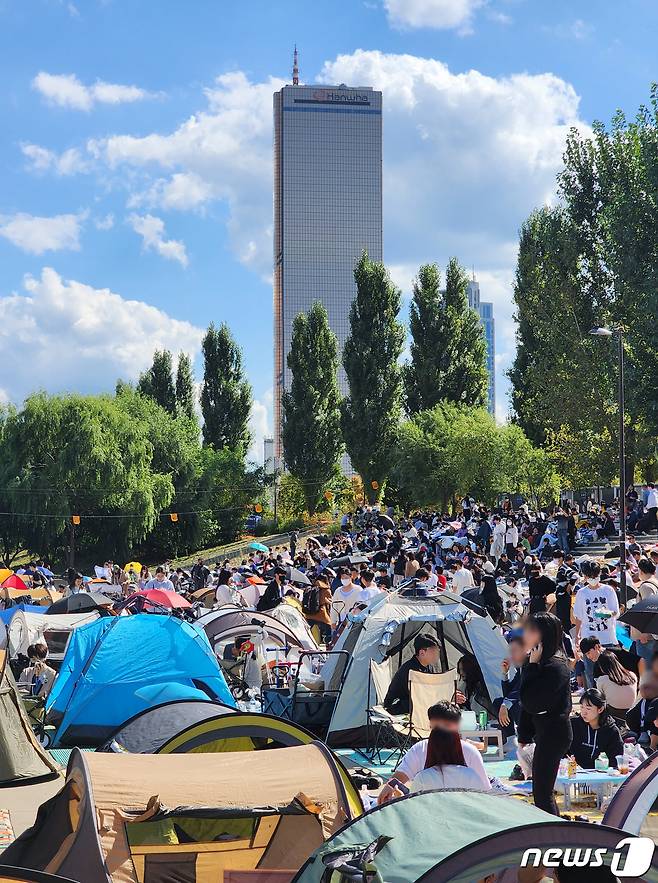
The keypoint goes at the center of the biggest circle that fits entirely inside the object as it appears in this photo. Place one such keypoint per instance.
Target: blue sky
(135, 157)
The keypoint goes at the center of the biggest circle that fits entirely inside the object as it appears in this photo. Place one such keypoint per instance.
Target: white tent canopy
(29, 628)
(386, 629)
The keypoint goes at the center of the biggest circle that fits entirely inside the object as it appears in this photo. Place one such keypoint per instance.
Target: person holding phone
(545, 695)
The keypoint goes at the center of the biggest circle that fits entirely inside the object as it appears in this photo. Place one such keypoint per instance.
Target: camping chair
(426, 690)
(383, 729)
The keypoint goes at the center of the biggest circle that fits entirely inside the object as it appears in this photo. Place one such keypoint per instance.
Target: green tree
(448, 349)
(311, 435)
(225, 394)
(185, 392)
(158, 382)
(370, 414)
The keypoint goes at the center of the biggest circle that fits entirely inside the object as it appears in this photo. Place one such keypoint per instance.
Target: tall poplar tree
(370, 414)
(448, 349)
(158, 382)
(311, 434)
(226, 393)
(185, 393)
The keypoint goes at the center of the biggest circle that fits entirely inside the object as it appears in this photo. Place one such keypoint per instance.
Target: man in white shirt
(462, 578)
(446, 716)
(344, 599)
(369, 589)
(595, 609)
(652, 507)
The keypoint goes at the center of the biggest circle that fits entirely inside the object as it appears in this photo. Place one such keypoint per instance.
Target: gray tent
(634, 807)
(386, 630)
(21, 756)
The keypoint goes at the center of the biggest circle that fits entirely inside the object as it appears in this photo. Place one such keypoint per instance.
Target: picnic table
(599, 782)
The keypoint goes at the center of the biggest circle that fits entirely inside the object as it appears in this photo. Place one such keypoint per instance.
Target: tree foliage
(185, 392)
(158, 382)
(448, 349)
(370, 413)
(311, 434)
(226, 393)
(452, 450)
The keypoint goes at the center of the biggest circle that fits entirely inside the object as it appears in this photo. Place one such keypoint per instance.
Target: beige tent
(21, 756)
(136, 818)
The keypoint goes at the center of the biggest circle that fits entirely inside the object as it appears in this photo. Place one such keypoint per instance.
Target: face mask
(592, 582)
(345, 581)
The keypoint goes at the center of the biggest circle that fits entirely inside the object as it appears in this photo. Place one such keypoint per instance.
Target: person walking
(545, 695)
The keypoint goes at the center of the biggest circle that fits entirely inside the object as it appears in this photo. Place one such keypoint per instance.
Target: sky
(136, 159)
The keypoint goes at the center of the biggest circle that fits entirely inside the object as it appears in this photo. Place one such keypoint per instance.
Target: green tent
(456, 837)
(22, 758)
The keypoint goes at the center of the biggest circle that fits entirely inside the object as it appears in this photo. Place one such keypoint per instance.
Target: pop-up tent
(20, 875)
(28, 627)
(459, 837)
(228, 623)
(140, 818)
(118, 666)
(634, 807)
(386, 630)
(21, 757)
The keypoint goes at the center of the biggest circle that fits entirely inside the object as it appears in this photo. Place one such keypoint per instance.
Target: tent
(81, 602)
(21, 757)
(117, 666)
(291, 616)
(28, 628)
(41, 595)
(473, 835)
(124, 818)
(227, 623)
(634, 807)
(386, 629)
(8, 614)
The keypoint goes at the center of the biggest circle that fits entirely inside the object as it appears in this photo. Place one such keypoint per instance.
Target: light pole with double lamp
(618, 332)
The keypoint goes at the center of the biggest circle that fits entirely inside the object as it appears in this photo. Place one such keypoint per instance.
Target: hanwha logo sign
(342, 96)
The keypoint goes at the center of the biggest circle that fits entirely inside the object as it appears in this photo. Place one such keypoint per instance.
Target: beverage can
(482, 720)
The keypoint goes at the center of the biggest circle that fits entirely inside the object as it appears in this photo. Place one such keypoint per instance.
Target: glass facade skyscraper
(327, 209)
(484, 309)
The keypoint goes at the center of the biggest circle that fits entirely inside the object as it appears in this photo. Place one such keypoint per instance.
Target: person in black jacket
(273, 594)
(545, 704)
(539, 587)
(594, 732)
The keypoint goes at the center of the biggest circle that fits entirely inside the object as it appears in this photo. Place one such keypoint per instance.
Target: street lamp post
(618, 331)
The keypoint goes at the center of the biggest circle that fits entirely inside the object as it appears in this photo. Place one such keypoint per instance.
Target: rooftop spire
(295, 68)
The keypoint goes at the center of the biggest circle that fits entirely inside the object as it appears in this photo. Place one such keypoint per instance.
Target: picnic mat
(6, 830)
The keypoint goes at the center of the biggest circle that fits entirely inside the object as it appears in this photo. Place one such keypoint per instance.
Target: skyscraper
(327, 208)
(484, 309)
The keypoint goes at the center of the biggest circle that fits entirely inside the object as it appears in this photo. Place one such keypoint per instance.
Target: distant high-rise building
(327, 208)
(484, 309)
(268, 456)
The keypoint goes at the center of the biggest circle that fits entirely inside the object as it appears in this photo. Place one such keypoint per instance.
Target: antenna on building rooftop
(295, 68)
(473, 272)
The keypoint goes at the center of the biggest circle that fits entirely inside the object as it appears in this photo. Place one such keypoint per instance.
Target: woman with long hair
(617, 685)
(445, 766)
(594, 731)
(545, 695)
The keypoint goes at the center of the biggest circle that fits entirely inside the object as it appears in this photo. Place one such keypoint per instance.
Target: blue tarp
(116, 667)
(7, 615)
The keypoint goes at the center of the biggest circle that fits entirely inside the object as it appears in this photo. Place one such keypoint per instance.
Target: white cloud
(183, 191)
(105, 223)
(37, 235)
(260, 426)
(66, 90)
(432, 13)
(82, 338)
(70, 162)
(221, 153)
(152, 231)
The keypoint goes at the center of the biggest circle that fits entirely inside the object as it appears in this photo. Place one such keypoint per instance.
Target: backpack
(311, 600)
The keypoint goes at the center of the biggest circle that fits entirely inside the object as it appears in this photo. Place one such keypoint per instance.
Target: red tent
(161, 597)
(15, 582)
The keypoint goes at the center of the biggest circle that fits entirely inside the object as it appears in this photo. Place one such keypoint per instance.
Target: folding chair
(426, 690)
(383, 728)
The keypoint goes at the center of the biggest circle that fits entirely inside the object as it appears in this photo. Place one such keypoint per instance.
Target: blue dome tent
(116, 667)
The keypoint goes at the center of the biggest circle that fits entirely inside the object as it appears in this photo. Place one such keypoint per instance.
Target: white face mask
(593, 582)
(346, 581)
